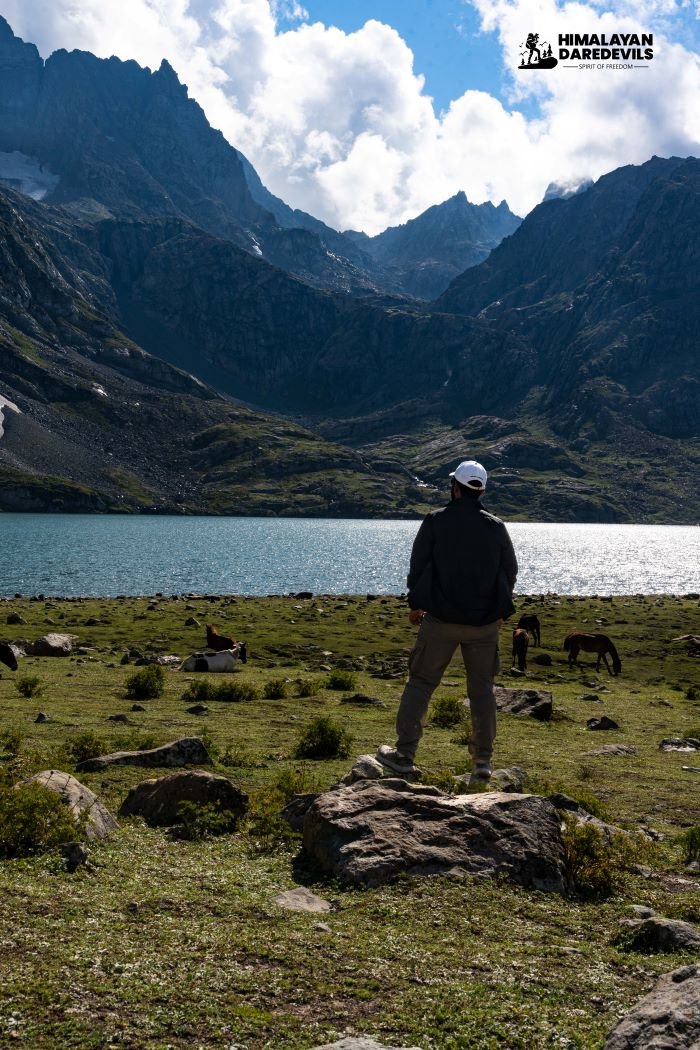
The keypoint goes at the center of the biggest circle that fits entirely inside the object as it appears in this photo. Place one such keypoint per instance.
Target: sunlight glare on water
(91, 555)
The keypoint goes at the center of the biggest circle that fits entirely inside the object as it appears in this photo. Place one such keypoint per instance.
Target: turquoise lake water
(83, 554)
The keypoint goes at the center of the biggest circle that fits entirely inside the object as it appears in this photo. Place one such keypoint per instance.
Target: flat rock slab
(158, 800)
(656, 934)
(83, 803)
(190, 751)
(602, 723)
(668, 1018)
(689, 743)
(536, 703)
(53, 645)
(360, 1043)
(613, 749)
(302, 899)
(370, 832)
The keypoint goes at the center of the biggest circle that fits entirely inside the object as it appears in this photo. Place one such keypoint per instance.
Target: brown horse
(520, 644)
(593, 643)
(7, 656)
(531, 623)
(219, 642)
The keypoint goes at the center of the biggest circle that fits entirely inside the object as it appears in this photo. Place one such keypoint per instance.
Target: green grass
(179, 944)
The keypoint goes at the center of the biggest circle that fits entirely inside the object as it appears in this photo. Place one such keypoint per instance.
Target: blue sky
(325, 97)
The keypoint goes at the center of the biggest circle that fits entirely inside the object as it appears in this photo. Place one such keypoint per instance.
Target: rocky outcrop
(84, 805)
(158, 801)
(372, 831)
(185, 752)
(536, 703)
(666, 1019)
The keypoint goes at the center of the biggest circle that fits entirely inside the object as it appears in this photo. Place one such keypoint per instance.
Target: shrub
(32, 820)
(12, 741)
(225, 692)
(275, 689)
(693, 692)
(589, 859)
(690, 841)
(266, 824)
(463, 736)
(87, 745)
(203, 821)
(29, 685)
(146, 684)
(305, 687)
(322, 738)
(340, 681)
(447, 711)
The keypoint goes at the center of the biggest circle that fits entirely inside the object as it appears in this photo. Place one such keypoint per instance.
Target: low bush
(589, 860)
(29, 685)
(323, 738)
(690, 840)
(146, 684)
(275, 689)
(340, 681)
(305, 687)
(33, 820)
(693, 692)
(203, 821)
(447, 711)
(11, 741)
(224, 692)
(87, 745)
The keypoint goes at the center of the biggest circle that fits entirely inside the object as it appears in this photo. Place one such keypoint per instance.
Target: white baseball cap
(471, 474)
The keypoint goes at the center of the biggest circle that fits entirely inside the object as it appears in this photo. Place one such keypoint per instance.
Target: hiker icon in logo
(539, 56)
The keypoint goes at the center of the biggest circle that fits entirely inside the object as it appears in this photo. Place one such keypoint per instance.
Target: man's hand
(415, 616)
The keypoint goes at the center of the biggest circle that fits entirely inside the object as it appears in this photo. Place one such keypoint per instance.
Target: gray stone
(602, 723)
(656, 934)
(537, 703)
(117, 718)
(360, 1043)
(42, 717)
(14, 618)
(192, 621)
(190, 751)
(366, 767)
(673, 743)
(370, 832)
(543, 659)
(362, 700)
(301, 899)
(197, 709)
(158, 800)
(137, 707)
(510, 780)
(591, 698)
(642, 911)
(613, 749)
(667, 1018)
(83, 803)
(52, 645)
(296, 809)
(75, 854)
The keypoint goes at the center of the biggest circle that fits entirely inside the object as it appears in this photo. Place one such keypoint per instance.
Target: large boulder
(52, 645)
(537, 703)
(668, 1018)
(190, 751)
(370, 832)
(83, 803)
(158, 800)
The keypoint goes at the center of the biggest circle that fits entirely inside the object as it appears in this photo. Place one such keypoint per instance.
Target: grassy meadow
(160, 943)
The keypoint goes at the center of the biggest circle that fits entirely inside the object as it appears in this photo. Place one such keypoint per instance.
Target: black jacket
(463, 566)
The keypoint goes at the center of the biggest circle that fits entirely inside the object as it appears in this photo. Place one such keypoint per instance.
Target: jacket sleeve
(509, 563)
(421, 554)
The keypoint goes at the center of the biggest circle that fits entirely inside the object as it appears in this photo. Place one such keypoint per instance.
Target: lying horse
(593, 643)
(531, 623)
(520, 644)
(219, 642)
(7, 656)
(221, 662)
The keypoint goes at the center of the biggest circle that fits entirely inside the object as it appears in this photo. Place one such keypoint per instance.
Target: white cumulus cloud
(340, 124)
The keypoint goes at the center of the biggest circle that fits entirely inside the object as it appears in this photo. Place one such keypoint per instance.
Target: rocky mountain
(425, 254)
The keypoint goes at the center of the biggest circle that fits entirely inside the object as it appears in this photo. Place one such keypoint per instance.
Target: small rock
(117, 718)
(543, 659)
(362, 700)
(680, 744)
(321, 927)
(198, 709)
(137, 707)
(642, 911)
(592, 698)
(366, 767)
(656, 934)
(158, 800)
(602, 723)
(15, 618)
(192, 621)
(360, 1043)
(613, 749)
(302, 899)
(537, 703)
(74, 854)
(42, 717)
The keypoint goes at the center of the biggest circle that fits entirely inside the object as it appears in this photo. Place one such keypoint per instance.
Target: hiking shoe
(394, 760)
(481, 773)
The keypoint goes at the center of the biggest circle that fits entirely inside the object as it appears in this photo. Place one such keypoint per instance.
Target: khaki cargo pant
(434, 648)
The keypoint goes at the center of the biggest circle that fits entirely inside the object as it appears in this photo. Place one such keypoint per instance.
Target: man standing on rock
(460, 590)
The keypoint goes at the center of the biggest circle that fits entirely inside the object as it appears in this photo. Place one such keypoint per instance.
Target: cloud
(340, 124)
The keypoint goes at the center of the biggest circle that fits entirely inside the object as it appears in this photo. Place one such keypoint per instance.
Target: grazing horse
(7, 656)
(593, 643)
(520, 644)
(530, 622)
(218, 642)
